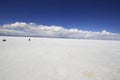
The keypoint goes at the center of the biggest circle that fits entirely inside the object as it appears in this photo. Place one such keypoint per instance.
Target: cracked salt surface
(59, 59)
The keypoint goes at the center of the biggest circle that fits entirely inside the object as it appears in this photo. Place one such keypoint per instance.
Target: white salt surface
(59, 59)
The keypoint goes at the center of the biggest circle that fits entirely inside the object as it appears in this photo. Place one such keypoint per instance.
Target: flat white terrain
(59, 59)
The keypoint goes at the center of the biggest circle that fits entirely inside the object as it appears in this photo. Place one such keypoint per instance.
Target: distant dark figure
(4, 40)
(29, 39)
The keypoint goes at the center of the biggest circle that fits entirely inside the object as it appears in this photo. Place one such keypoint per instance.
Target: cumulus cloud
(32, 29)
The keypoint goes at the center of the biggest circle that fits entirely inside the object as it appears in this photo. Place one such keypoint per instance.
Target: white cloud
(32, 29)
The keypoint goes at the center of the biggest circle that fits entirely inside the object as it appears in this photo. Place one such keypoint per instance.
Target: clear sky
(93, 15)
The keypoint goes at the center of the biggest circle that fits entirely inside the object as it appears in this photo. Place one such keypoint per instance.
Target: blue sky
(90, 15)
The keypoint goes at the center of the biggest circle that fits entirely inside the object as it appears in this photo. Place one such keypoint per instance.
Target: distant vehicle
(4, 40)
(29, 39)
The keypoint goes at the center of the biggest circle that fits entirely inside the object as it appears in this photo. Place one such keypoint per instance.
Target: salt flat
(59, 59)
